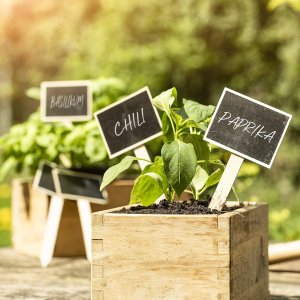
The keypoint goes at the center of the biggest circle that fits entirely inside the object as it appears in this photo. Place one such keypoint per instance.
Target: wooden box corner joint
(181, 256)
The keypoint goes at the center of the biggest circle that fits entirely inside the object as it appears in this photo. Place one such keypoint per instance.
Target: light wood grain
(180, 257)
(21, 277)
(30, 212)
(226, 182)
(51, 230)
(284, 251)
(249, 254)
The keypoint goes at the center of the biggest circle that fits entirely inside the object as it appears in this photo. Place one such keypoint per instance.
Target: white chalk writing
(255, 130)
(67, 101)
(130, 122)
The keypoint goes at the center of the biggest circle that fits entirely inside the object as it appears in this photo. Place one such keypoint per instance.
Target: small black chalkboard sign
(247, 127)
(128, 123)
(43, 179)
(78, 185)
(66, 101)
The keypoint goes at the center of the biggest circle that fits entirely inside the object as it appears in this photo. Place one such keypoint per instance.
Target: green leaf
(189, 123)
(94, 149)
(111, 174)
(8, 167)
(29, 159)
(176, 118)
(34, 93)
(52, 152)
(201, 147)
(199, 181)
(27, 142)
(74, 137)
(213, 179)
(89, 126)
(158, 168)
(180, 164)
(168, 133)
(47, 139)
(196, 111)
(147, 189)
(165, 100)
(203, 126)
(17, 130)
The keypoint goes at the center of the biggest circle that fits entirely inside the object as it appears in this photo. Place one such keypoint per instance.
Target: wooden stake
(230, 173)
(85, 214)
(51, 230)
(141, 152)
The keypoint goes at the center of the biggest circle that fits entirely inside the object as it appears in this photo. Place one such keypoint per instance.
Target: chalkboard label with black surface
(66, 101)
(247, 127)
(77, 185)
(43, 179)
(128, 123)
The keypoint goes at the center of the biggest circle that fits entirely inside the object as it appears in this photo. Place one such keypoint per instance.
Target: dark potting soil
(192, 207)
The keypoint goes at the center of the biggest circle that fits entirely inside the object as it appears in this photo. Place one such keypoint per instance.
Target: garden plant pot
(209, 257)
(30, 211)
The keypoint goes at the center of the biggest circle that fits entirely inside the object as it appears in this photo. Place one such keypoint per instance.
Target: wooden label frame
(105, 117)
(60, 193)
(243, 141)
(76, 84)
(38, 177)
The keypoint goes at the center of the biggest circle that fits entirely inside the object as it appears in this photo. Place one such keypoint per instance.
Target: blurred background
(198, 46)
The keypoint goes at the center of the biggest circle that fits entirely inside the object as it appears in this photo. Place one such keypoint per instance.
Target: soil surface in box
(191, 207)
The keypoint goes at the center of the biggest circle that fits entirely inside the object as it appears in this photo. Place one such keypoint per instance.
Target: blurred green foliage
(72, 145)
(199, 46)
(5, 216)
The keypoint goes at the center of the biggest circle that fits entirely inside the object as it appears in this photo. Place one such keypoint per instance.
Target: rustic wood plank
(187, 251)
(249, 253)
(284, 251)
(249, 267)
(292, 266)
(163, 268)
(21, 277)
(149, 286)
(285, 285)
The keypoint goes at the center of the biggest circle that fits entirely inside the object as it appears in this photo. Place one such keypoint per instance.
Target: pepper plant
(184, 163)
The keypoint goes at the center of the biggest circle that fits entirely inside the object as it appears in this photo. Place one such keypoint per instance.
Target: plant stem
(172, 125)
(235, 194)
(213, 162)
(149, 161)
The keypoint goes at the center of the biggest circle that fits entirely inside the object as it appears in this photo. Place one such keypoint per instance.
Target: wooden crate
(30, 211)
(181, 256)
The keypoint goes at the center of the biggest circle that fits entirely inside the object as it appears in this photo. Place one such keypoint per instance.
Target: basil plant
(78, 145)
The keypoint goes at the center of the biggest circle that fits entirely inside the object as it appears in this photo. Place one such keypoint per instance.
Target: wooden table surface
(21, 277)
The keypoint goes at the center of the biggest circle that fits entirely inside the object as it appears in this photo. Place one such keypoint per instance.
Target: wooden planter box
(30, 211)
(181, 256)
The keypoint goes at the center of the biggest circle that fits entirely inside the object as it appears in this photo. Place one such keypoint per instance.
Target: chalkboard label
(78, 185)
(128, 123)
(43, 179)
(247, 127)
(66, 101)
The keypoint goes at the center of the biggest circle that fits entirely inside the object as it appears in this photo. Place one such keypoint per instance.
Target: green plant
(76, 145)
(5, 215)
(184, 160)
